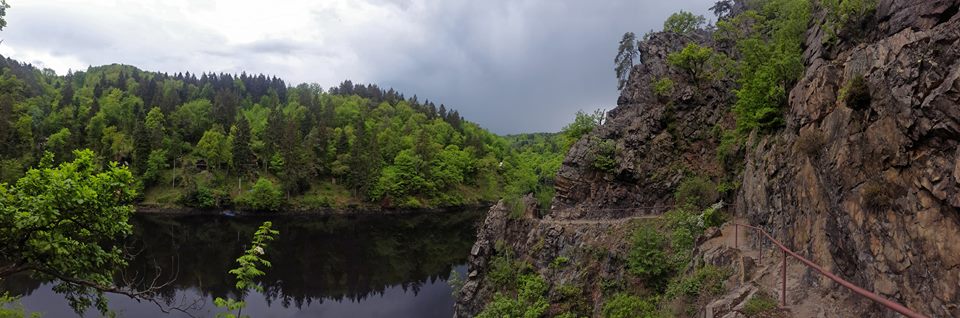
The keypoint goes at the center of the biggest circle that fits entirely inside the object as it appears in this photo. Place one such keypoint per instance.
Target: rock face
(866, 184)
(656, 136)
(878, 201)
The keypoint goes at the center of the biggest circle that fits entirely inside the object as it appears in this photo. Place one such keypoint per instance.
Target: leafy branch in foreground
(248, 271)
(61, 223)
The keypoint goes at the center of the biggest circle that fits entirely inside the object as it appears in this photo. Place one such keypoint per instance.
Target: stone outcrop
(878, 201)
(657, 138)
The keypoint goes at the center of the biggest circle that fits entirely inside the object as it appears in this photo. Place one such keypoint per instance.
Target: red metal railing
(783, 274)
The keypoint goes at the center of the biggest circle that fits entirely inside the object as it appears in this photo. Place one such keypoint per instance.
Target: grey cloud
(511, 66)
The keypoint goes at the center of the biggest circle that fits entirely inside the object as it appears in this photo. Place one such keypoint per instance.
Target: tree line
(221, 140)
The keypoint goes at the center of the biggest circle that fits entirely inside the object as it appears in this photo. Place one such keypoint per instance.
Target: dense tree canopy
(204, 139)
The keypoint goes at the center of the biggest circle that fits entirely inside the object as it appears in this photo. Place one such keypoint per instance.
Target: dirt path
(601, 221)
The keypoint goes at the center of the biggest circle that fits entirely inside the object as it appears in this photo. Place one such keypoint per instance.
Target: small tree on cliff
(626, 53)
(683, 22)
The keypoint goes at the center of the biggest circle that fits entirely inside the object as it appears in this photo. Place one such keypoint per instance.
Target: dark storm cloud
(511, 66)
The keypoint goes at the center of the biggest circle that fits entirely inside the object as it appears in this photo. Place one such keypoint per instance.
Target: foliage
(698, 191)
(623, 305)
(531, 167)
(663, 87)
(647, 258)
(604, 156)
(58, 221)
(692, 59)
(856, 94)
(456, 282)
(3, 12)
(707, 280)
(683, 22)
(843, 14)
(240, 125)
(770, 60)
(582, 125)
(503, 269)
(249, 269)
(559, 262)
(530, 301)
(626, 54)
(264, 196)
(156, 163)
(758, 305)
(10, 307)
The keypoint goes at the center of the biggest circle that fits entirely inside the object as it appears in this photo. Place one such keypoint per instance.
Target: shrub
(559, 262)
(698, 191)
(855, 94)
(683, 22)
(771, 61)
(530, 300)
(707, 280)
(663, 87)
(842, 14)
(604, 156)
(503, 270)
(583, 123)
(728, 149)
(647, 258)
(624, 305)
(877, 195)
(264, 196)
(759, 304)
(692, 60)
(810, 142)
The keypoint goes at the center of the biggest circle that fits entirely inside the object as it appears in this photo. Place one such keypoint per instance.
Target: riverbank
(340, 211)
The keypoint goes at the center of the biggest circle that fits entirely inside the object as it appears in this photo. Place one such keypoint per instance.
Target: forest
(255, 142)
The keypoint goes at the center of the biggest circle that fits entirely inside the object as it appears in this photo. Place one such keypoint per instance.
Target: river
(323, 266)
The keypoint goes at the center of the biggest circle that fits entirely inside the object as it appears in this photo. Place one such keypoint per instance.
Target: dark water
(372, 266)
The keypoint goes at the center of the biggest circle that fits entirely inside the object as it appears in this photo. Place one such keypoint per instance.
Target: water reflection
(333, 266)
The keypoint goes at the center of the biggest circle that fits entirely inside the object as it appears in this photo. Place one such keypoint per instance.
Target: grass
(759, 305)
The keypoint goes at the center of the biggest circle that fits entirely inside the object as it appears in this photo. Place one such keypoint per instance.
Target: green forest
(254, 142)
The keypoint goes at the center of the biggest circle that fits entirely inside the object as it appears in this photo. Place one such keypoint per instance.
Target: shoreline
(347, 211)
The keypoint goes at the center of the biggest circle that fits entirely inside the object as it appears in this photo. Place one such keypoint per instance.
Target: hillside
(255, 142)
(832, 125)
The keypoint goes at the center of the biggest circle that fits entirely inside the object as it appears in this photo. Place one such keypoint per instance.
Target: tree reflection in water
(315, 258)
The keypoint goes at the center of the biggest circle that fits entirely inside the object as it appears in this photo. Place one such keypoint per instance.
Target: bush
(877, 195)
(707, 280)
(842, 14)
(530, 300)
(663, 87)
(264, 196)
(604, 156)
(647, 258)
(855, 94)
(771, 61)
(624, 305)
(503, 271)
(583, 123)
(683, 22)
(698, 191)
(759, 304)
(810, 142)
(692, 60)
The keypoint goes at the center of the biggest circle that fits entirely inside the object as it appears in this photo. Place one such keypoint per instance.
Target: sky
(512, 66)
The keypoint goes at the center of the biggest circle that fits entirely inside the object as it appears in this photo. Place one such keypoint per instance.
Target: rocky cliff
(864, 177)
(875, 197)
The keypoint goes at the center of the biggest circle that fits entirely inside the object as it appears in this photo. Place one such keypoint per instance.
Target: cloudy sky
(510, 65)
